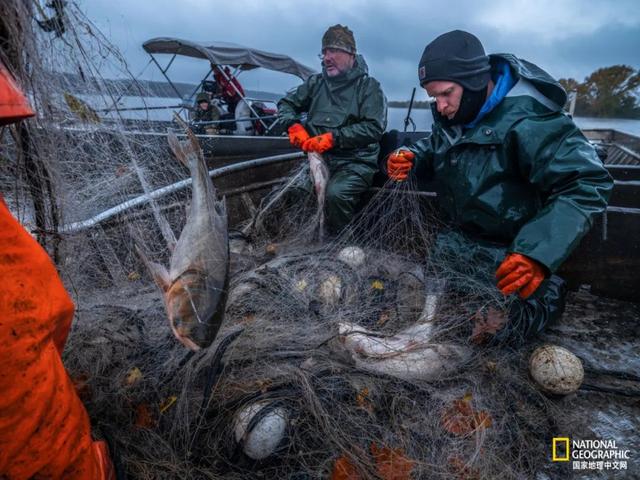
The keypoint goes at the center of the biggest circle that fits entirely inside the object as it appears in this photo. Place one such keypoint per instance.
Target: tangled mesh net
(284, 392)
(346, 358)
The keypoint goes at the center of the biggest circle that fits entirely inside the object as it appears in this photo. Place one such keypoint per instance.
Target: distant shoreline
(423, 105)
(423, 119)
(405, 104)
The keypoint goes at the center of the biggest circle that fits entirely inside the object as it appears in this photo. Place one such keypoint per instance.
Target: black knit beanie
(458, 57)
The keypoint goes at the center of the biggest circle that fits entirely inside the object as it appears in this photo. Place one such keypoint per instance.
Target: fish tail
(191, 145)
(188, 152)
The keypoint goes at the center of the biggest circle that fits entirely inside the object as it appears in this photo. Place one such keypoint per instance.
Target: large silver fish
(195, 287)
(320, 177)
(410, 354)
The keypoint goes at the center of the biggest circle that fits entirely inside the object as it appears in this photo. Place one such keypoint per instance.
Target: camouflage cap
(202, 97)
(339, 37)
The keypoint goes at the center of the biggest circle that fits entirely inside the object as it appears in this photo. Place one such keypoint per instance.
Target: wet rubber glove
(521, 274)
(320, 143)
(399, 163)
(297, 135)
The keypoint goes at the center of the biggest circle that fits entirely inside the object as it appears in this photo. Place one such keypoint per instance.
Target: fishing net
(357, 355)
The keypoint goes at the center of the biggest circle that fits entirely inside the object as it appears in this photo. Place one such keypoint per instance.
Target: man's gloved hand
(297, 135)
(399, 163)
(521, 274)
(319, 143)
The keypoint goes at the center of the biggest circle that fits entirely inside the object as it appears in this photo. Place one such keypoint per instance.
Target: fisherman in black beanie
(518, 184)
(457, 57)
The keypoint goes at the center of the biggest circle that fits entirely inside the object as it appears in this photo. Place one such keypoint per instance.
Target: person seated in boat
(204, 111)
(346, 117)
(44, 428)
(229, 89)
(517, 181)
(263, 111)
(231, 93)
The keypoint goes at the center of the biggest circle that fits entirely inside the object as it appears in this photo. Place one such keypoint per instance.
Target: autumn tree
(607, 92)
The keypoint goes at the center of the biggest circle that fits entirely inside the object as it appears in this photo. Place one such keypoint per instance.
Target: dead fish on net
(409, 355)
(320, 177)
(195, 287)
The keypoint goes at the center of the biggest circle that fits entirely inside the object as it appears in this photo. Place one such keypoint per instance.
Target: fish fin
(177, 148)
(158, 272)
(160, 275)
(221, 210)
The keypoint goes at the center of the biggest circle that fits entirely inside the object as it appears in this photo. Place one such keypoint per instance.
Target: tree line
(608, 92)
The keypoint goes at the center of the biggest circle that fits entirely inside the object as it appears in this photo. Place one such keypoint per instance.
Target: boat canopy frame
(239, 57)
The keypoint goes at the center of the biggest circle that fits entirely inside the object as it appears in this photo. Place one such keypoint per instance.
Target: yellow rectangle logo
(564, 456)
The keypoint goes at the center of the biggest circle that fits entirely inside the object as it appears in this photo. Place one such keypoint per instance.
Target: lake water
(423, 120)
(395, 118)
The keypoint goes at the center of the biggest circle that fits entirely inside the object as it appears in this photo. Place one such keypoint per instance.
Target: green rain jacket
(524, 176)
(351, 106)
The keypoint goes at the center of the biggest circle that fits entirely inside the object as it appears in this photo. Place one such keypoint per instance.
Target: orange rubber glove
(297, 135)
(399, 163)
(319, 143)
(521, 274)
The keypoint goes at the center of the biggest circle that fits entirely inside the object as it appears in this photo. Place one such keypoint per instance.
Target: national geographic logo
(560, 449)
(589, 454)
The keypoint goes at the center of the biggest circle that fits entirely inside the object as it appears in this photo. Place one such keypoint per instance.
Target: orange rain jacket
(13, 104)
(44, 428)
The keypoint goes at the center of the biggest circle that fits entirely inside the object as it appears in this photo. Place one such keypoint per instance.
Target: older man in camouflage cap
(346, 117)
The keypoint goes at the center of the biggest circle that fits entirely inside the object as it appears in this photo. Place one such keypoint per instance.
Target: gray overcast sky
(568, 38)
